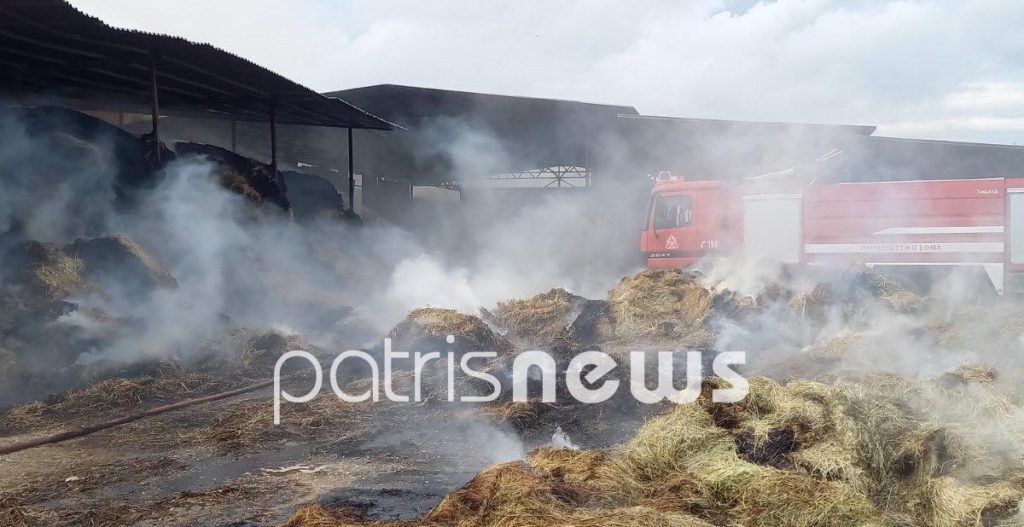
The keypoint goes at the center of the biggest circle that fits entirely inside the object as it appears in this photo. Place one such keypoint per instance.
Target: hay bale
(969, 374)
(602, 481)
(426, 330)
(131, 157)
(509, 490)
(812, 305)
(849, 293)
(662, 305)
(773, 293)
(116, 262)
(257, 351)
(733, 305)
(894, 295)
(313, 197)
(838, 346)
(255, 181)
(540, 321)
(860, 445)
(688, 441)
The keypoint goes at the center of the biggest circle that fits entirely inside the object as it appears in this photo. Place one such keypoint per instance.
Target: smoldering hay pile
(88, 221)
(857, 447)
(802, 454)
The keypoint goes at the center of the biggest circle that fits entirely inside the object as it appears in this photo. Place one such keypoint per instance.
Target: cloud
(927, 68)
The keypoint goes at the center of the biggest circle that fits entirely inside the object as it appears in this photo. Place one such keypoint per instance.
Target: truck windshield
(672, 211)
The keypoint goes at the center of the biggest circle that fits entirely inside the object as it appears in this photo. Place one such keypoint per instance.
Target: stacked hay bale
(556, 320)
(663, 305)
(539, 322)
(74, 161)
(255, 181)
(314, 198)
(427, 329)
(132, 159)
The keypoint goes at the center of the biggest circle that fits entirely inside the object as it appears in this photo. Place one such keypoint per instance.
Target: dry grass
(662, 305)
(319, 516)
(244, 356)
(14, 512)
(111, 395)
(251, 423)
(25, 416)
(522, 415)
(48, 270)
(59, 277)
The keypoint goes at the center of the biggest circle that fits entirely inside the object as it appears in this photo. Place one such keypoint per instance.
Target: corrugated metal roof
(888, 158)
(50, 50)
(408, 104)
(454, 135)
(716, 125)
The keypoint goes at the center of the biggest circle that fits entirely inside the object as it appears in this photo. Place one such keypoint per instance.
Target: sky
(931, 69)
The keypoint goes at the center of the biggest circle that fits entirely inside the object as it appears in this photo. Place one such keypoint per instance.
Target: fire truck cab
(923, 224)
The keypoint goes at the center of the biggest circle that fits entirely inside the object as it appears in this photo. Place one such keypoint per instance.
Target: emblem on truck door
(671, 243)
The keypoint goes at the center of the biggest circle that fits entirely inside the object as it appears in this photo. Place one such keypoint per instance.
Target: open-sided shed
(452, 136)
(52, 53)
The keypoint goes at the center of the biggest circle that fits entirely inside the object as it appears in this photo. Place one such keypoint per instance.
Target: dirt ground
(201, 467)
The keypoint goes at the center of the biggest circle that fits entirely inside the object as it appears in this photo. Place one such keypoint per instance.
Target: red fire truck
(927, 225)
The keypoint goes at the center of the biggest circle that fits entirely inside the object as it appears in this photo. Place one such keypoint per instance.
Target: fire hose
(83, 431)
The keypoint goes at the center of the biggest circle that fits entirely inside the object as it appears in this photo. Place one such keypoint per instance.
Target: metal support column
(273, 139)
(155, 107)
(351, 176)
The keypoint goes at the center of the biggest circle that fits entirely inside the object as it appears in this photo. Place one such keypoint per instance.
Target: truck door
(772, 227)
(673, 214)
